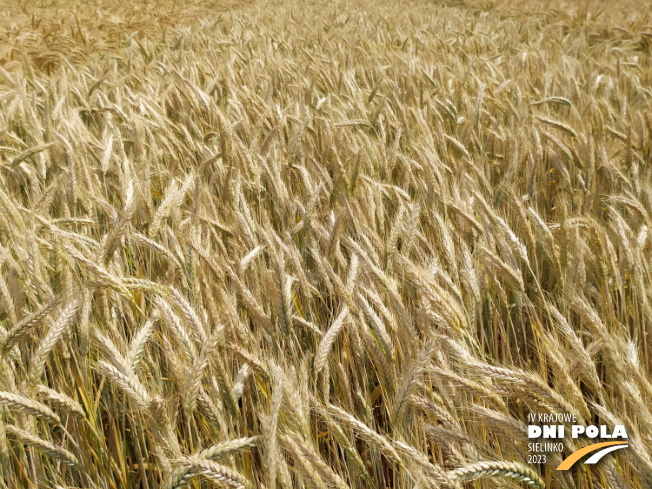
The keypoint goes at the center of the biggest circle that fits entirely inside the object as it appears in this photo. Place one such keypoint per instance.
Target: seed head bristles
(283, 286)
(304, 465)
(4, 446)
(492, 261)
(60, 401)
(411, 377)
(197, 328)
(16, 402)
(341, 289)
(269, 430)
(144, 240)
(45, 446)
(239, 382)
(376, 322)
(8, 300)
(464, 384)
(244, 262)
(171, 194)
(525, 382)
(224, 383)
(504, 423)
(556, 99)
(613, 475)
(349, 447)
(329, 338)
(308, 325)
(126, 382)
(103, 278)
(449, 436)
(257, 313)
(366, 433)
(308, 454)
(52, 337)
(22, 328)
(194, 466)
(582, 358)
(179, 332)
(559, 125)
(432, 471)
(139, 341)
(252, 360)
(513, 470)
(132, 283)
(110, 350)
(212, 410)
(109, 240)
(431, 407)
(230, 447)
(197, 373)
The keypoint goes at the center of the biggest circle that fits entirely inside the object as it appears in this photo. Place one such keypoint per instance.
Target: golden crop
(325, 244)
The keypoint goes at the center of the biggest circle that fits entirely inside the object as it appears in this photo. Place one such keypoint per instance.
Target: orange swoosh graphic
(574, 457)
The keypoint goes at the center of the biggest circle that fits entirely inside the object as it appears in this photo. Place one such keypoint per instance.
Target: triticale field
(324, 244)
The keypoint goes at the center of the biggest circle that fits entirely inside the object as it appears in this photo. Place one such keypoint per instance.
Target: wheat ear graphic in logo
(602, 450)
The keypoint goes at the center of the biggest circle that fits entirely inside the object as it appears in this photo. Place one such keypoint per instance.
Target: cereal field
(328, 244)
